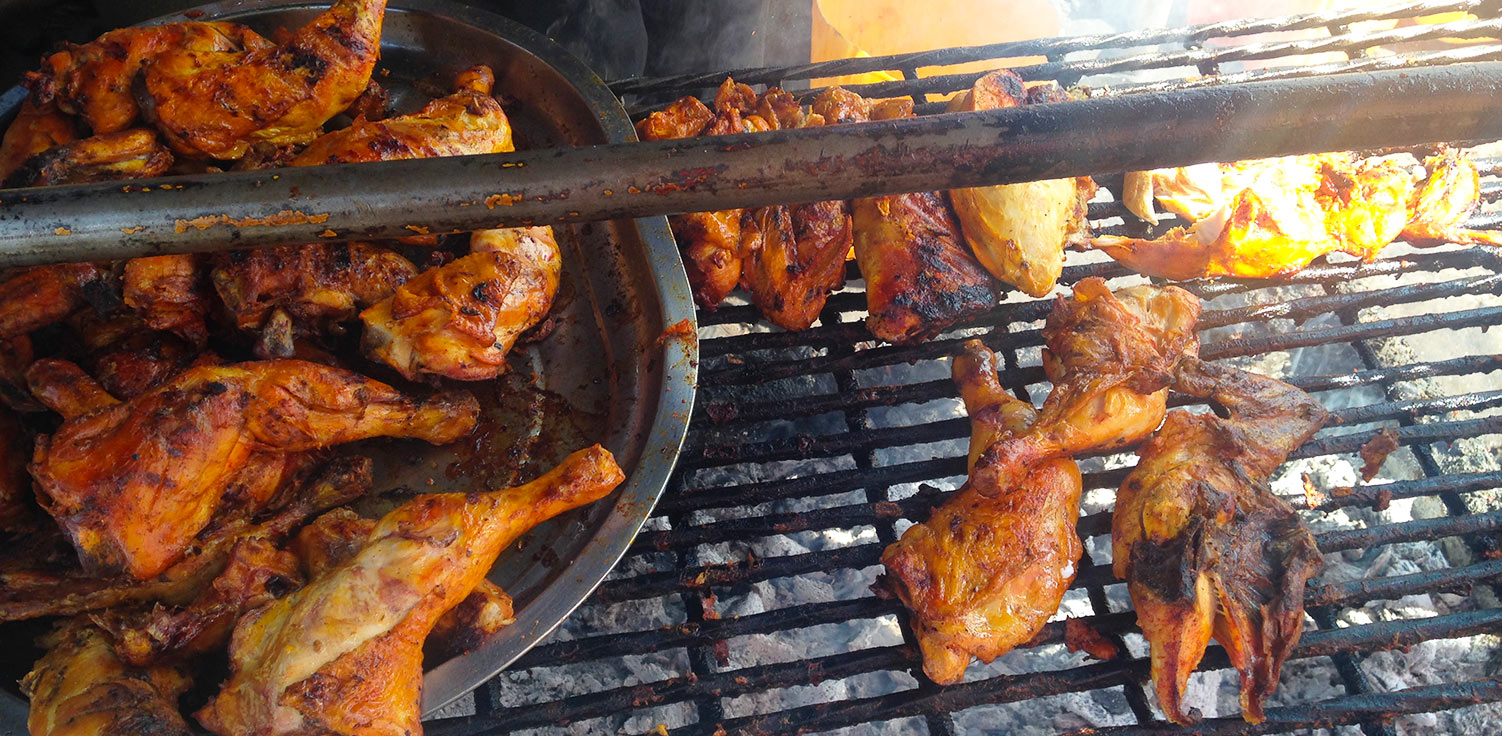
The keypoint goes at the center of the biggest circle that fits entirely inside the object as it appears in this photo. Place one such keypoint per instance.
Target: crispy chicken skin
(1110, 357)
(794, 254)
(36, 297)
(1019, 231)
(66, 389)
(256, 573)
(170, 293)
(315, 284)
(1205, 546)
(38, 127)
(31, 592)
(460, 320)
(467, 122)
(1272, 217)
(986, 571)
(132, 484)
(80, 688)
(96, 80)
(344, 654)
(214, 103)
(128, 154)
(337, 536)
(920, 278)
(140, 362)
(1446, 198)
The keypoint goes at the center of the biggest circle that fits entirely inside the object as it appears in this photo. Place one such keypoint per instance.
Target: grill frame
(743, 364)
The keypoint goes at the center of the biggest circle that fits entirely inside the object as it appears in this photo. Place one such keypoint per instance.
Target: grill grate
(745, 604)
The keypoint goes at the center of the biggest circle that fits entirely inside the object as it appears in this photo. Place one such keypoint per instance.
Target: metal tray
(611, 371)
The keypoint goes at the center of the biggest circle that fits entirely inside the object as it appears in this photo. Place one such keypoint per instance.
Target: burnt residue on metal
(1025, 143)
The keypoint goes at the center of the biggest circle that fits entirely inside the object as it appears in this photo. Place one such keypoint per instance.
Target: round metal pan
(611, 370)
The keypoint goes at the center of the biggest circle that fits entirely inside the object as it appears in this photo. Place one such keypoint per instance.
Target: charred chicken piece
(986, 571)
(920, 279)
(170, 293)
(38, 127)
(336, 537)
(140, 362)
(1019, 231)
(1205, 546)
(467, 122)
(1272, 217)
(96, 80)
(1447, 197)
(315, 284)
(66, 389)
(80, 688)
(794, 254)
(256, 573)
(215, 103)
(460, 320)
(128, 154)
(1110, 357)
(315, 661)
(132, 484)
(29, 591)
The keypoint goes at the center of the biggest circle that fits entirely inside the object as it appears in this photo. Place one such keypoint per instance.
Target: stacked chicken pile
(174, 501)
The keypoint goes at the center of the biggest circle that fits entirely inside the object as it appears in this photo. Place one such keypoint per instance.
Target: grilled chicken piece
(986, 571)
(128, 154)
(794, 254)
(460, 320)
(170, 293)
(96, 80)
(16, 355)
(1019, 231)
(1447, 197)
(1110, 357)
(1205, 546)
(30, 591)
(132, 484)
(467, 122)
(1272, 217)
(80, 688)
(336, 537)
(38, 127)
(36, 297)
(344, 654)
(256, 573)
(140, 362)
(314, 284)
(66, 389)
(920, 278)
(17, 502)
(215, 103)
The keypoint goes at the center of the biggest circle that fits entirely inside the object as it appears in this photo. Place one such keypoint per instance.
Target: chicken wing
(465, 123)
(80, 688)
(1205, 546)
(36, 297)
(336, 537)
(316, 284)
(1272, 217)
(344, 654)
(131, 484)
(1110, 357)
(170, 293)
(920, 278)
(460, 320)
(29, 591)
(128, 154)
(986, 571)
(710, 241)
(215, 103)
(256, 573)
(1019, 231)
(38, 127)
